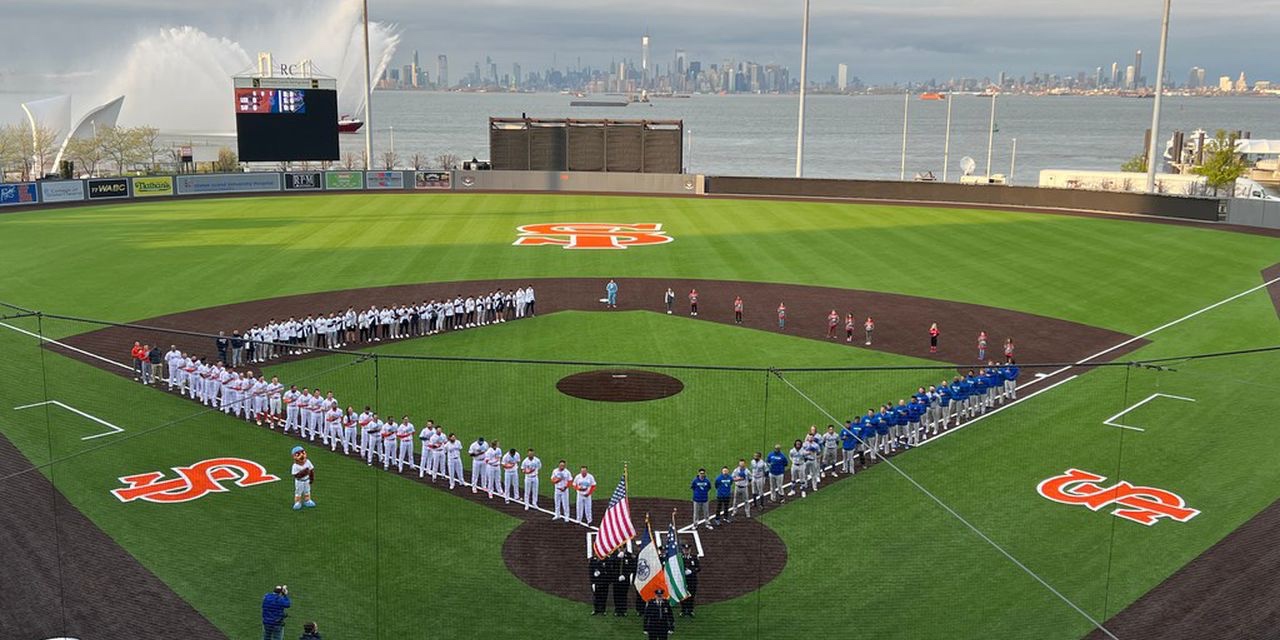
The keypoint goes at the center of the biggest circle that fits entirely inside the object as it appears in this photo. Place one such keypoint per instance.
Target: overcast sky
(880, 40)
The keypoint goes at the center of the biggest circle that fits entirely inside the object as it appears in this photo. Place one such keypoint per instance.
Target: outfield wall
(1254, 213)
(19, 196)
(1206, 209)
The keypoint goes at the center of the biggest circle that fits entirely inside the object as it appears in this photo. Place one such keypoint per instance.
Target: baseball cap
(296, 450)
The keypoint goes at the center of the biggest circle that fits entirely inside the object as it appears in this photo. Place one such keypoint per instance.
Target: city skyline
(879, 40)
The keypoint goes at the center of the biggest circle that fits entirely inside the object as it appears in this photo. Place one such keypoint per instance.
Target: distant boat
(348, 124)
(929, 95)
(601, 102)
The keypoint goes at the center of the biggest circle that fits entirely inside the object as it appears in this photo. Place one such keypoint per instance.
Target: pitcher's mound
(619, 385)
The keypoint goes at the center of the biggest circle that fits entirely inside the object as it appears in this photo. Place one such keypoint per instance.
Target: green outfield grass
(163, 257)
(895, 563)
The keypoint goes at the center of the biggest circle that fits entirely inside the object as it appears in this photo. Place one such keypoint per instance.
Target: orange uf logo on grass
(193, 482)
(1144, 505)
(592, 235)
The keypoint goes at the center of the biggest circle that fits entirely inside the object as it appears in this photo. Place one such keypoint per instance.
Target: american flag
(616, 528)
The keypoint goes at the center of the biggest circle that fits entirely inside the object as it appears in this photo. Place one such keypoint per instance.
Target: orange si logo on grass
(592, 235)
(193, 482)
(1144, 505)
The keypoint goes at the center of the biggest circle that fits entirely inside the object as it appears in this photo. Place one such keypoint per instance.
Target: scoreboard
(286, 119)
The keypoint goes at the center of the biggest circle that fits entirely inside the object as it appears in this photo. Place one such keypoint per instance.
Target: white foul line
(67, 346)
(1155, 330)
(1111, 422)
(114, 428)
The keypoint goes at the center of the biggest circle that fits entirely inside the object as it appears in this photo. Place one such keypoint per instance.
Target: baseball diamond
(901, 411)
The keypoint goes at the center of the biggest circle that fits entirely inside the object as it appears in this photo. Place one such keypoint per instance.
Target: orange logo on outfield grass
(592, 235)
(193, 482)
(1144, 505)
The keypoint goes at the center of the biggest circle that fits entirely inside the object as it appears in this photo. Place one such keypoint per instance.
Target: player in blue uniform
(1011, 381)
(915, 412)
(777, 461)
(849, 441)
(944, 406)
(867, 432)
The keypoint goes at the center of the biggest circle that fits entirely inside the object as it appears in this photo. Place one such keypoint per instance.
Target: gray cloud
(881, 40)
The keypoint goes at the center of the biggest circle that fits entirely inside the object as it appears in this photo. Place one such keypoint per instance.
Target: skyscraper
(414, 75)
(1097, 77)
(1138, 80)
(1130, 77)
(842, 76)
(1115, 74)
(442, 71)
(644, 60)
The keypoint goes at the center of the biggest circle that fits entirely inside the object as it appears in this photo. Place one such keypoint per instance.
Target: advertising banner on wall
(343, 180)
(19, 193)
(228, 183)
(303, 181)
(432, 180)
(104, 188)
(152, 186)
(62, 191)
(384, 180)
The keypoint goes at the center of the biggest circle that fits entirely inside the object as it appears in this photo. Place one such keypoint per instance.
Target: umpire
(691, 568)
(597, 573)
(658, 620)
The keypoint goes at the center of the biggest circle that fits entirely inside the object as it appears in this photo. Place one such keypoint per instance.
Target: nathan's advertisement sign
(152, 186)
(62, 191)
(1144, 505)
(104, 188)
(432, 180)
(384, 180)
(228, 183)
(18, 193)
(303, 181)
(343, 180)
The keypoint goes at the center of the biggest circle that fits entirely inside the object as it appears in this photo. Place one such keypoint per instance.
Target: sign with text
(108, 188)
(152, 186)
(62, 191)
(343, 180)
(432, 180)
(303, 181)
(228, 183)
(19, 193)
(384, 180)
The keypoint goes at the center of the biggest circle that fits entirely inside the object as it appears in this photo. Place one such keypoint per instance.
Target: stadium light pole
(1155, 107)
(991, 134)
(804, 80)
(1013, 161)
(368, 95)
(946, 144)
(906, 106)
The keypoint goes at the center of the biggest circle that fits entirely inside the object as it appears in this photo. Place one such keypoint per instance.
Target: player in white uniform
(290, 399)
(585, 484)
(317, 417)
(404, 434)
(388, 435)
(452, 450)
(303, 473)
(275, 395)
(437, 465)
(332, 429)
(304, 414)
(259, 393)
(349, 431)
(477, 452)
(189, 376)
(369, 431)
(531, 466)
(429, 449)
(561, 480)
(493, 465)
(333, 425)
(511, 476)
(173, 360)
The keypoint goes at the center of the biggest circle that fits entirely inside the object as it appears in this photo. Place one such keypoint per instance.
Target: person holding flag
(673, 564)
(616, 529)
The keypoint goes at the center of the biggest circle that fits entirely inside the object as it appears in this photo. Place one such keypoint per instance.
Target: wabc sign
(108, 188)
(303, 181)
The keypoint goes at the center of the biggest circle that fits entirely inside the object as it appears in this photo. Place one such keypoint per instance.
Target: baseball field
(1120, 326)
